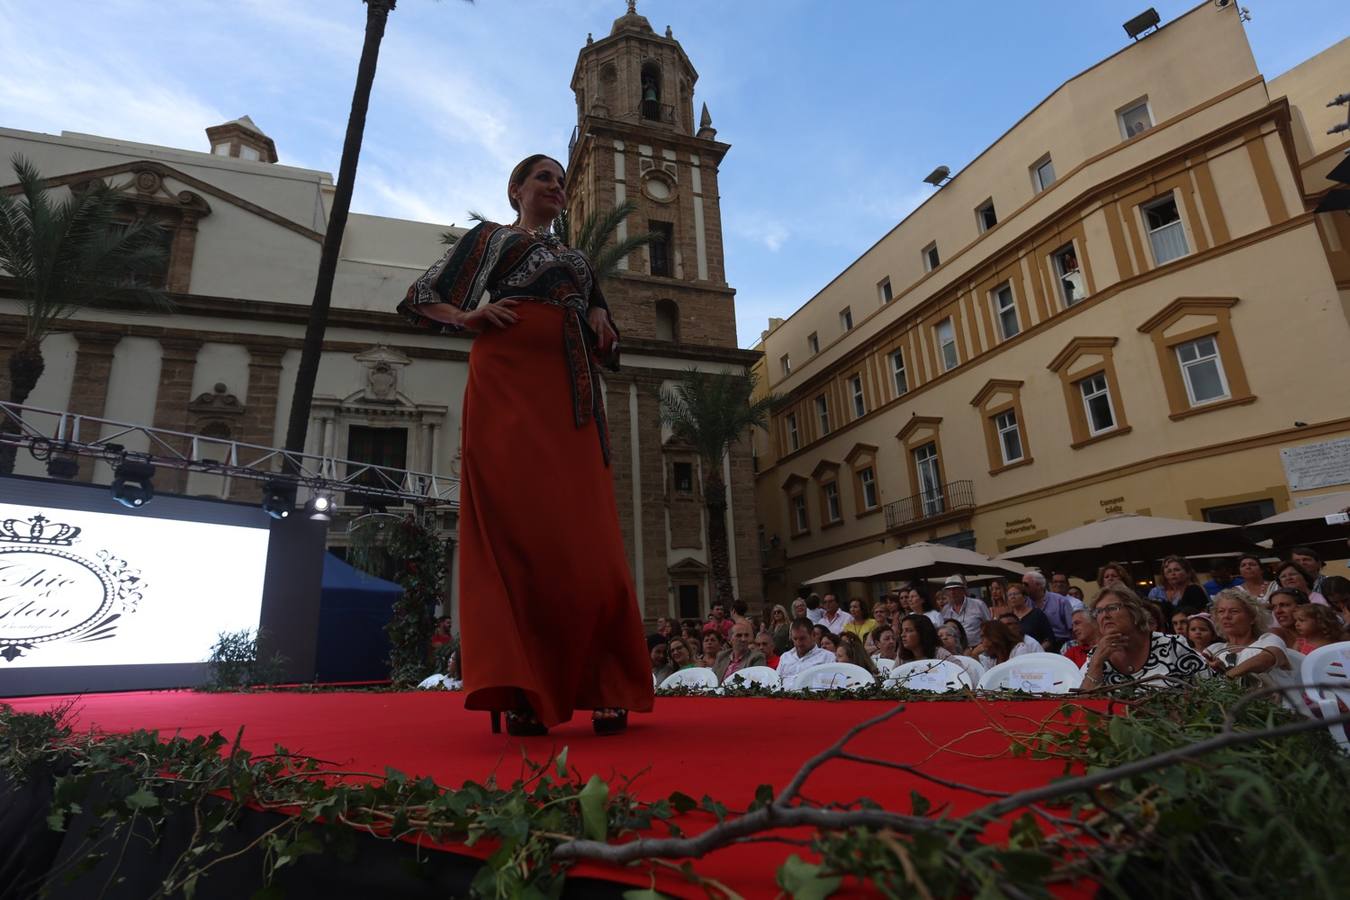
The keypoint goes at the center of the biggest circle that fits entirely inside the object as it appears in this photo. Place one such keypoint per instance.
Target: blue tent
(353, 609)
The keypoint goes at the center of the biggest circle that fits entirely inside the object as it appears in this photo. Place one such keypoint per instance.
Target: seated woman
(953, 636)
(1244, 625)
(919, 639)
(1291, 575)
(825, 638)
(1252, 577)
(863, 623)
(998, 644)
(1336, 589)
(1015, 626)
(887, 645)
(1084, 637)
(1283, 602)
(850, 650)
(1316, 626)
(712, 646)
(1200, 632)
(1129, 650)
(1035, 623)
(998, 597)
(780, 628)
(919, 603)
(680, 658)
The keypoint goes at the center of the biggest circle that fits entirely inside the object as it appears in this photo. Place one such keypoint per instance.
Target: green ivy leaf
(763, 796)
(803, 880)
(919, 804)
(562, 763)
(682, 802)
(142, 799)
(593, 799)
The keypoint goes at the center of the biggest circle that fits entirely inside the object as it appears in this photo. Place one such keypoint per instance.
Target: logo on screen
(50, 594)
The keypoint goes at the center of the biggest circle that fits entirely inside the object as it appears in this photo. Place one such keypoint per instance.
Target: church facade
(243, 238)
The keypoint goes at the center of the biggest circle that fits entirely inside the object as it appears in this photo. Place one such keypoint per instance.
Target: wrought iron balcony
(950, 497)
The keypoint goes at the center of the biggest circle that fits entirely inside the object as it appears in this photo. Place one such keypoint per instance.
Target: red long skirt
(547, 605)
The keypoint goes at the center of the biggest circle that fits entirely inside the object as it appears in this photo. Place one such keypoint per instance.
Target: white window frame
(928, 253)
(1087, 408)
(1002, 428)
(899, 377)
(884, 292)
(833, 511)
(785, 361)
(1186, 367)
(846, 319)
(996, 298)
(794, 436)
(1037, 178)
(868, 487)
(955, 360)
(979, 215)
(813, 343)
(859, 398)
(931, 500)
(1179, 224)
(1129, 108)
(823, 413)
(801, 521)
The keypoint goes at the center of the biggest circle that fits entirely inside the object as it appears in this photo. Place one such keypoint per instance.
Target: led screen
(80, 588)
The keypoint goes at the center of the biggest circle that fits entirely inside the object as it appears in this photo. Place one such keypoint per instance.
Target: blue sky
(835, 109)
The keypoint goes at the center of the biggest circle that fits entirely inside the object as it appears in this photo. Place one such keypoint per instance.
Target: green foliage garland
(419, 566)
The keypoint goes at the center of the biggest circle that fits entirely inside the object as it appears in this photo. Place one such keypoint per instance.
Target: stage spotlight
(319, 507)
(64, 467)
(131, 485)
(278, 499)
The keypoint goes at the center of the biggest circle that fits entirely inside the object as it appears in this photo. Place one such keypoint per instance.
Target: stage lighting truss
(132, 485)
(52, 435)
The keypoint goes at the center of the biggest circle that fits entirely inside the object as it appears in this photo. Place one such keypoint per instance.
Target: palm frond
(449, 238)
(713, 410)
(596, 236)
(476, 216)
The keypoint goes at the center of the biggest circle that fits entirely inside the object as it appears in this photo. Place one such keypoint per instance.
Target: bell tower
(637, 140)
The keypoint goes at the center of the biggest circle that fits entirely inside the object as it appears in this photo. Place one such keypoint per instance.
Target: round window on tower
(658, 185)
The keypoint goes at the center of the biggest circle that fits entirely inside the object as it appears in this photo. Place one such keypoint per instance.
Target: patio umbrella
(922, 560)
(1308, 525)
(1128, 538)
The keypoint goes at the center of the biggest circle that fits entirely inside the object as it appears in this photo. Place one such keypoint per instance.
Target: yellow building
(1124, 303)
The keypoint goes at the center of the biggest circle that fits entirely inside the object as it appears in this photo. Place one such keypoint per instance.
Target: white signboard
(85, 588)
(1311, 466)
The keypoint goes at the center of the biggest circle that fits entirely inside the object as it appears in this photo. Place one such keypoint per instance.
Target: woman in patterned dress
(548, 612)
(1128, 649)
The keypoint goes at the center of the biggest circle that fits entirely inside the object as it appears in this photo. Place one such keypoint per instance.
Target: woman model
(536, 497)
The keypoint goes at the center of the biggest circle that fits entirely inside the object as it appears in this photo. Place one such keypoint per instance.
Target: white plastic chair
(883, 665)
(974, 668)
(1040, 673)
(698, 678)
(929, 675)
(1330, 665)
(832, 676)
(436, 682)
(759, 676)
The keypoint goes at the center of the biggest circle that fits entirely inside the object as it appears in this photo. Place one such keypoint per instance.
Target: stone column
(89, 388)
(178, 364)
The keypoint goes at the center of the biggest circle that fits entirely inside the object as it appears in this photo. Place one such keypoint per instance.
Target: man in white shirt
(804, 653)
(971, 612)
(833, 617)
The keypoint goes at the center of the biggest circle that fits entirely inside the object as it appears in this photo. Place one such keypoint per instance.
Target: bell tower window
(651, 91)
(659, 249)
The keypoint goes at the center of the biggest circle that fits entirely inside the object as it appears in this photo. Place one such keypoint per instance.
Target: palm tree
(64, 255)
(711, 411)
(377, 13)
(598, 237)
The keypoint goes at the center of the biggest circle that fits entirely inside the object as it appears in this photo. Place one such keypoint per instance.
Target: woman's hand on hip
(500, 315)
(606, 337)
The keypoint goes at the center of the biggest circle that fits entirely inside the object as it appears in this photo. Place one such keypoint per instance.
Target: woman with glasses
(1247, 646)
(781, 629)
(1127, 648)
(1291, 575)
(952, 634)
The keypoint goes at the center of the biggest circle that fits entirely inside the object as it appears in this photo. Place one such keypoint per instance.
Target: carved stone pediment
(216, 402)
(383, 369)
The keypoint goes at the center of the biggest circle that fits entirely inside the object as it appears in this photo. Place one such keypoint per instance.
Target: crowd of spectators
(1238, 623)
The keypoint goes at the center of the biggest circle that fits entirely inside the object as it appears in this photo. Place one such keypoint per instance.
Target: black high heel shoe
(613, 724)
(519, 723)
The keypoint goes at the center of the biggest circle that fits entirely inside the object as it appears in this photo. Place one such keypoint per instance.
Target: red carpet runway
(722, 747)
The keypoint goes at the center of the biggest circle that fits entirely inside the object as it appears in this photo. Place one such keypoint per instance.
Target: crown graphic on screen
(38, 530)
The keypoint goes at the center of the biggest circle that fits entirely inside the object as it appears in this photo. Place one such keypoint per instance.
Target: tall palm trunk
(719, 554)
(25, 368)
(377, 13)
